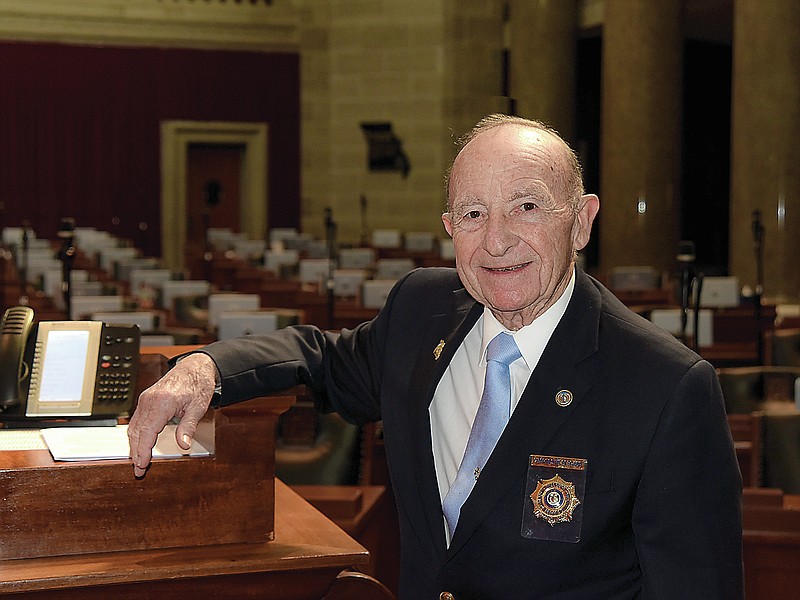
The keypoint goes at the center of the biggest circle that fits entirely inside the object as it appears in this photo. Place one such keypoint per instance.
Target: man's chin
(508, 308)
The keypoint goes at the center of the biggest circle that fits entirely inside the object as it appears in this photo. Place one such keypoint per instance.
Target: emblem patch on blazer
(554, 497)
(554, 500)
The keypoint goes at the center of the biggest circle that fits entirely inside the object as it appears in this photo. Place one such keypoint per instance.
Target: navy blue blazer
(661, 510)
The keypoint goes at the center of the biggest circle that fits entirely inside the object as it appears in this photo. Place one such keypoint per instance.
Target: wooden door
(213, 184)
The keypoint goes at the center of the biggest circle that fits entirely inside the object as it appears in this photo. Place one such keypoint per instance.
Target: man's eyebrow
(533, 191)
(536, 192)
(467, 201)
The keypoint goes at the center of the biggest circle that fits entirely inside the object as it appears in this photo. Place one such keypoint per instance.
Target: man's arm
(687, 512)
(246, 367)
(340, 371)
(184, 392)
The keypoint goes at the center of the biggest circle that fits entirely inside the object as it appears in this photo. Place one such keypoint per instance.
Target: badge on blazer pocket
(554, 495)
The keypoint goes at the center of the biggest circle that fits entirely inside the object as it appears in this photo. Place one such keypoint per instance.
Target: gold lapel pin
(437, 352)
(563, 398)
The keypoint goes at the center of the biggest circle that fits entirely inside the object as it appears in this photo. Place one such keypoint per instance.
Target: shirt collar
(531, 339)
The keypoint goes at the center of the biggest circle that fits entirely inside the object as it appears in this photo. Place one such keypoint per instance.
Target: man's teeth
(514, 268)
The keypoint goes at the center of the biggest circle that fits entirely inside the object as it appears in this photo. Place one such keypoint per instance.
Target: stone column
(765, 153)
(541, 44)
(641, 134)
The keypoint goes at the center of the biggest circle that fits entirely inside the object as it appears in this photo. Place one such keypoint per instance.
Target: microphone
(330, 232)
(686, 253)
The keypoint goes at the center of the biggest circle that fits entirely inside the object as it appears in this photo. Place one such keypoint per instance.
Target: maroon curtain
(79, 129)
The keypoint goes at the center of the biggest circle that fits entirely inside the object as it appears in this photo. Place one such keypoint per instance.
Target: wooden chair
(746, 432)
(781, 451)
(190, 311)
(352, 585)
(749, 389)
(314, 448)
(783, 347)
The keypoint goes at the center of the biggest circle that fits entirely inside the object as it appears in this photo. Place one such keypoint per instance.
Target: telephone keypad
(116, 373)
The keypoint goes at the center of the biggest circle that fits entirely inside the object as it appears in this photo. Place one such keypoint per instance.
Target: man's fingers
(142, 437)
(184, 432)
(151, 416)
(185, 391)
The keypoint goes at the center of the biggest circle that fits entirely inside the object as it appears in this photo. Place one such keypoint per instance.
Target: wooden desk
(54, 508)
(170, 351)
(368, 513)
(301, 563)
(730, 354)
(771, 544)
(211, 527)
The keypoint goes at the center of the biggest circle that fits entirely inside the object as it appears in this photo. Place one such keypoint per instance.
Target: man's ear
(448, 225)
(588, 206)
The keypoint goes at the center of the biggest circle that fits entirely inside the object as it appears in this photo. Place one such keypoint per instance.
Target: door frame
(176, 136)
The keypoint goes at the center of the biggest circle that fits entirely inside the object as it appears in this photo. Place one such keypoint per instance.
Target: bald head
(566, 168)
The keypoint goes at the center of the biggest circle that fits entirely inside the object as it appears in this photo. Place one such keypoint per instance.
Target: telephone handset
(16, 327)
(66, 369)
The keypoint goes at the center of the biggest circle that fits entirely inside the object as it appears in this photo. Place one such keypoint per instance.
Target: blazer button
(446, 596)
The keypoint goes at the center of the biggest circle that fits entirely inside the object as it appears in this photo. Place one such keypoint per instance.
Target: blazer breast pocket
(599, 480)
(554, 496)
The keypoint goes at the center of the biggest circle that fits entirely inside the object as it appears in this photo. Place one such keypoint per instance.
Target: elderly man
(543, 441)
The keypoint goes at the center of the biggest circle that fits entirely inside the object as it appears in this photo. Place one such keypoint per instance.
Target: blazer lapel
(443, 335)
(538, 417)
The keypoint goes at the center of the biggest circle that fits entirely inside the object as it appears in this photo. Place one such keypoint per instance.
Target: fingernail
(187, 440)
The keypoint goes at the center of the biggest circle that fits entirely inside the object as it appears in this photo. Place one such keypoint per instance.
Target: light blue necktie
(490, 420)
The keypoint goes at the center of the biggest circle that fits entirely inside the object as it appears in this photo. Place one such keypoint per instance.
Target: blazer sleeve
(687, 519)
(342, 369)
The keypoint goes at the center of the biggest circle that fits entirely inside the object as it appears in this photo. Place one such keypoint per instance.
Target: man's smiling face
(514, 228)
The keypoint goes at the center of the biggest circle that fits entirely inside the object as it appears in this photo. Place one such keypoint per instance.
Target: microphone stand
(23, 279)
(686, 257)
(208, 251)
(363, 205)
(330, 239)
(758, 248)
(686, 292)
(67, 257)
(698, 289)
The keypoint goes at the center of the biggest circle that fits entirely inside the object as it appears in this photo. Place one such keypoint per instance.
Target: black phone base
(47, 423)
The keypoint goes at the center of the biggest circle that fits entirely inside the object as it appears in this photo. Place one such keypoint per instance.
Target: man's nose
(498, 237)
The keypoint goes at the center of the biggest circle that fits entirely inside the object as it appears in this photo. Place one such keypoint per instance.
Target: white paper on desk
(101, 443)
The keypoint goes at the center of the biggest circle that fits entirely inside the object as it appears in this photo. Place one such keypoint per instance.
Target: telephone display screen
(64, 365)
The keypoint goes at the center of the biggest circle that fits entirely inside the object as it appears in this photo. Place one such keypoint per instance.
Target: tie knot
(503, 349)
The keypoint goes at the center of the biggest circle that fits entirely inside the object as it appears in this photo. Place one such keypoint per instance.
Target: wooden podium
(211, 527)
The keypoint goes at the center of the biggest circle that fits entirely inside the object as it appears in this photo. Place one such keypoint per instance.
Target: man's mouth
(507, 269)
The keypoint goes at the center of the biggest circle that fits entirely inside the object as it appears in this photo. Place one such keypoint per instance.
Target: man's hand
(184, 392)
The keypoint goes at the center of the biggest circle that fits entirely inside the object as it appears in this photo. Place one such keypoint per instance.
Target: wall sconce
(385, 151)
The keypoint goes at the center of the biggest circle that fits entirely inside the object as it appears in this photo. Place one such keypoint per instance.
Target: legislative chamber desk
(216, 526)
(771, 521)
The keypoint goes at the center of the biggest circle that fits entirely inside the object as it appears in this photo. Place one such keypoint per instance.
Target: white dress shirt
(458, 394)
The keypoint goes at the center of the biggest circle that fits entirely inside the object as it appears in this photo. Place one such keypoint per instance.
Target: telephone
(66, 369)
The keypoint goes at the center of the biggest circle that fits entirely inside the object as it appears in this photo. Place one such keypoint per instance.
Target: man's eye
(473, 214)
(526, 206)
